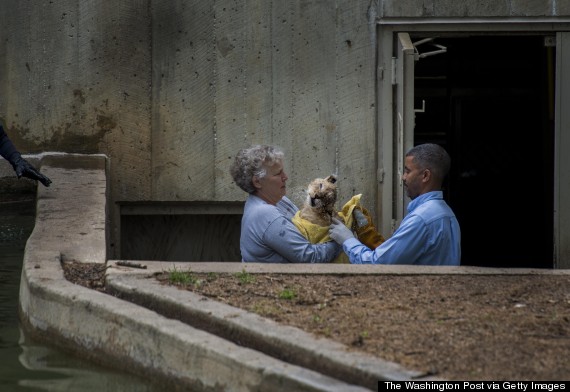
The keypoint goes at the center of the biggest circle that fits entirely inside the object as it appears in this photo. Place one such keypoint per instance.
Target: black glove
(24, 169)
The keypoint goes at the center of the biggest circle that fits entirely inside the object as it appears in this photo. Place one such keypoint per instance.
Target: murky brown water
(26, 365)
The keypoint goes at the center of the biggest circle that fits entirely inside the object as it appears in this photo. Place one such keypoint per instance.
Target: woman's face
(271, 188)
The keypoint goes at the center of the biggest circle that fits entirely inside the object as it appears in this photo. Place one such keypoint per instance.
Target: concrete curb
(283, 342)
(122, 335)
(70, 225)
(171, 335)
(329, 269)
(286, 343)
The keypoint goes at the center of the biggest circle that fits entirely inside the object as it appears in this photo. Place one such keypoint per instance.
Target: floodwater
(26, 365)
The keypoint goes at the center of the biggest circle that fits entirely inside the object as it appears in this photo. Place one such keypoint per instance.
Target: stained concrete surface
(133, 335)
(162, 333)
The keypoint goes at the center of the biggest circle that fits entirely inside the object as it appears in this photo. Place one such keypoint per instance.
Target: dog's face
(322, 193)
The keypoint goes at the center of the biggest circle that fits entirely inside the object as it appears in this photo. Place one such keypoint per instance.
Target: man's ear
(427, 175)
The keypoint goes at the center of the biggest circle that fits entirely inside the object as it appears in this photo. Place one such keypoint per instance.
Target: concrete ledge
(329, 269)
(70, 214)
(120, 334)
(177, 337)
(70, 225)
(286, 343)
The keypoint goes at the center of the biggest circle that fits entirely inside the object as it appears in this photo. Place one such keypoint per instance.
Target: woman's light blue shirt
(269, 236)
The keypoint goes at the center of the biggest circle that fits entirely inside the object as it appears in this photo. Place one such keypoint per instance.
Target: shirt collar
(421, 199)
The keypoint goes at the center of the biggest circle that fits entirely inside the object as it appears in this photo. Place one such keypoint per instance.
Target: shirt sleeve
(402, 248)
(7, 149)
(285, 239)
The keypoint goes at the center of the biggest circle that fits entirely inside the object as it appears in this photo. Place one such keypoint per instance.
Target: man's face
(413, 178)
(272, 187)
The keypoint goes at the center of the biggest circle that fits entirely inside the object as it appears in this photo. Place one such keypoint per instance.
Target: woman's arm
(285, 239)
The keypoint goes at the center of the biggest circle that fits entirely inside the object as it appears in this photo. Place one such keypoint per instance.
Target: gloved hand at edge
(24, 169)
(339, 232)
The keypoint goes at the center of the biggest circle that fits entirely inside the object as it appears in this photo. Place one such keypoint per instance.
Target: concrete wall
(473, 8)
(227, 74)
(75, 77)
(170, 90)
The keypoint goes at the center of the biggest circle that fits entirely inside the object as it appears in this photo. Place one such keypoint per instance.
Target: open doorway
(489, 100)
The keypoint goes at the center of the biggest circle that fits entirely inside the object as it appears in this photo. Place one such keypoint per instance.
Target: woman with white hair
(267, 233)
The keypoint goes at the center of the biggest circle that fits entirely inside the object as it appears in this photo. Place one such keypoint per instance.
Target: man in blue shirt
(429, 234)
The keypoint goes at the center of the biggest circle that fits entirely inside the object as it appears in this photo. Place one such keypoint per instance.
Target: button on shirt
(428, 235)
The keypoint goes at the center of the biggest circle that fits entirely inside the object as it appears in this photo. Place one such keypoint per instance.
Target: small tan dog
(319, 207)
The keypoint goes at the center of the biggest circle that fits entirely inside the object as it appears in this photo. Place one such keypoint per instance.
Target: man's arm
(404, 247)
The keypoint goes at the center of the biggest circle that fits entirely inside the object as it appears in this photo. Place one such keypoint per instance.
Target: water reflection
(26, 365)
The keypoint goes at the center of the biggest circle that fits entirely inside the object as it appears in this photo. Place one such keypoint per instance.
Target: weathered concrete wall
(170, 90)
(75, 77)
(107, 330)
(473, 8)
(227, 74)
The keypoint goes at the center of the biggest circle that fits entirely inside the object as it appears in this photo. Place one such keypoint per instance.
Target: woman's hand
(339, 232)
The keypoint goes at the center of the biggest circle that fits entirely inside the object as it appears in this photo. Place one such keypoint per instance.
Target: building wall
(170, 90)
(75, 77)
(227, 74)
(473, 8)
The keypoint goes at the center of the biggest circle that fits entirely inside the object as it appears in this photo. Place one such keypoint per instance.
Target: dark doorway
(489, 102)
(181, 231)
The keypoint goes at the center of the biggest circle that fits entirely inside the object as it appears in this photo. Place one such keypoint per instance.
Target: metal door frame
(388, 151)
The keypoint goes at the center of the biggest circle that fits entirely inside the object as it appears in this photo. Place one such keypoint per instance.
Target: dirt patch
(455, 327)
(91, 275)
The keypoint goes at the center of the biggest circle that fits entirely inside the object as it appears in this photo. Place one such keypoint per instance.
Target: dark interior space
(489, 102)
(181, 237)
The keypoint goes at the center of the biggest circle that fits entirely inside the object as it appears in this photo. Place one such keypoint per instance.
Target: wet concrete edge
(71, 225)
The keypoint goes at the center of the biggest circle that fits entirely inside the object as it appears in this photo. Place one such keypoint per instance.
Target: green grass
(287, 294)
(245, 277)
(182, 277)
(211, 276)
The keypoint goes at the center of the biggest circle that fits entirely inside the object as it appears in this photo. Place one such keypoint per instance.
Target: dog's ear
(331, 178)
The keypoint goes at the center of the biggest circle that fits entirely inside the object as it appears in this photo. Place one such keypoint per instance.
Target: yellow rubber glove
(365, 230)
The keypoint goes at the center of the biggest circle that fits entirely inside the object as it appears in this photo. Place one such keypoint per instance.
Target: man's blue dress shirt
(428, 235)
